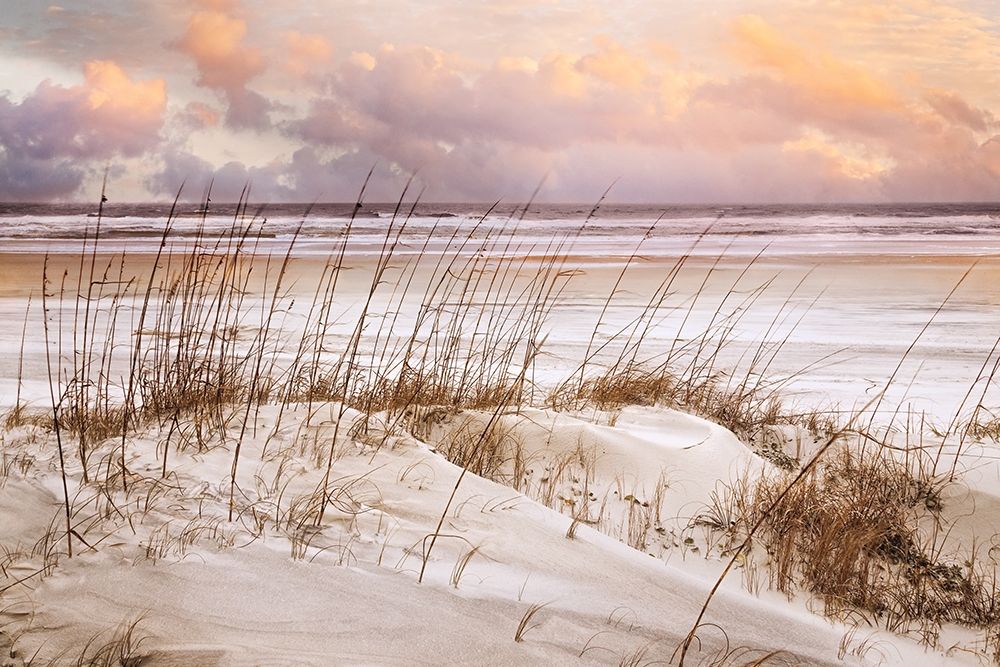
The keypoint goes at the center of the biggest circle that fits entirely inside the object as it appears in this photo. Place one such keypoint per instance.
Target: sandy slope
(232, 593)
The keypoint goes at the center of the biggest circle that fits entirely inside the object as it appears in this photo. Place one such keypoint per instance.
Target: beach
(516, 332)
(450, 439)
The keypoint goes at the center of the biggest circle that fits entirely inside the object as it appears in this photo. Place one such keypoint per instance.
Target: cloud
(788, 101)
(615, 65)
(937, 44)
(198, 116)
(424, 94)
(848, 161)
(109, 115)
(25, 179)
(215, 39)
(128, 113)
(826, 79)
(792, 111)
(305, 53)
(792, 121)
(182, 168)
(956, 110)
(306, 176)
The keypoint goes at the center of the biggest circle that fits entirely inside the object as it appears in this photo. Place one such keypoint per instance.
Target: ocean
(855, 230)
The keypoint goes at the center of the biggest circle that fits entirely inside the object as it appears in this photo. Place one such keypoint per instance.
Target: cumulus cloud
(423, 94)
(847, 132)
(181, 168)
(505, 128)
(48, 137)
(791, 121)
(110, 113)
(215, 39)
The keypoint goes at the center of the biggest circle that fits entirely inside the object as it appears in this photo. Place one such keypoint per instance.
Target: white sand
(353, 598)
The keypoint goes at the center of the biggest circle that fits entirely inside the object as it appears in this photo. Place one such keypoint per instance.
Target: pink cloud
(214, 38)
(109, 115)
(954, 109)
(305, 53)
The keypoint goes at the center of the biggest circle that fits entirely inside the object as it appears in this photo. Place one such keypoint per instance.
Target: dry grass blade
(526, 620)
(122, 649)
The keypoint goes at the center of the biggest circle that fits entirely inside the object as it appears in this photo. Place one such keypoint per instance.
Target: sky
(695, 101)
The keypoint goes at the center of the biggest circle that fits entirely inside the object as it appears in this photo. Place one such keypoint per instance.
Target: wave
(614, 231)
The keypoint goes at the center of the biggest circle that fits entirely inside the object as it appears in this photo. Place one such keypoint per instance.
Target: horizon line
(151, 202)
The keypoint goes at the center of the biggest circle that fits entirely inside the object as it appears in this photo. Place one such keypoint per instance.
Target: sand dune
(221, 593)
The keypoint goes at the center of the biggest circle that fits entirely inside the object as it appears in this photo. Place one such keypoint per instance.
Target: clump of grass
(853, 532)
(628, 386)
(526, 625)
(637, 658)
(21, 416)
(984, 426)
(175, 541)
(461, 564)
(748, 409)
(487, 451)
(122, 649)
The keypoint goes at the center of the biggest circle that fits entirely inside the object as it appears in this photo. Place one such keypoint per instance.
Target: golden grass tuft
(861, 532)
